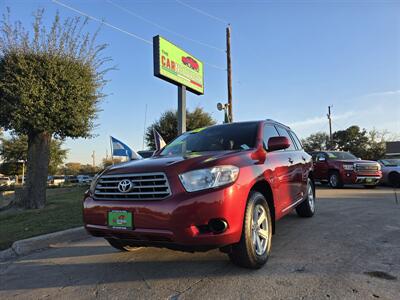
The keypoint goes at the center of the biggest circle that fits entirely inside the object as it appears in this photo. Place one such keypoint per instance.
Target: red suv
(222, 186)
(339, 168)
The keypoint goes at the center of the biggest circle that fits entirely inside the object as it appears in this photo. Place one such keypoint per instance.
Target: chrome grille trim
(366, 168)
(147, 186)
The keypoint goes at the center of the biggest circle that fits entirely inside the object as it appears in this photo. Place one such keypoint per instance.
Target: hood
(192, 161)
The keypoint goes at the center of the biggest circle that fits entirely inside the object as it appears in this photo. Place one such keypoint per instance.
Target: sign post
(181, 109)
(178, 67)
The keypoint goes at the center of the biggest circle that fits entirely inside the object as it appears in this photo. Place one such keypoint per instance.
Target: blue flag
(121, 149)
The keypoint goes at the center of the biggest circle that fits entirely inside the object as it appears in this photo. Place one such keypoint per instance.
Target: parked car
(55, 179)
(390, 171)
(6, 181)
(339, 168)
(222, 187)
(84, 179)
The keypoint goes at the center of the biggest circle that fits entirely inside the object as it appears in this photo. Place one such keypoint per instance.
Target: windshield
(236, 136)
(341, 155)
(390, 162)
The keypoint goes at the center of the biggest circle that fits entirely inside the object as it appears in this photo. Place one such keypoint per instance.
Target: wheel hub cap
(260, 230)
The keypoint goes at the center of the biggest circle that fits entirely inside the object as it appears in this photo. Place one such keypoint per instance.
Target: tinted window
(284, 132)
(269, 131)
(296, 140)
(340, 155)
(236, 136)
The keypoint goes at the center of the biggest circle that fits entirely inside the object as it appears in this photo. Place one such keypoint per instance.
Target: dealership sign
(175, 65)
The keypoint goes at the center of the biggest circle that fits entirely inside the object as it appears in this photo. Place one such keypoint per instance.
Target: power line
(119, 29)
(103, 22)
(202, 12)
(163, 27)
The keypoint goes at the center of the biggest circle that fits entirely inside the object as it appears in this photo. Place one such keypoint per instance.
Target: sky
(290, 61)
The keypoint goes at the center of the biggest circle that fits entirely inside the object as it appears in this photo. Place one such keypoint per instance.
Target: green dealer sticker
(120, 219)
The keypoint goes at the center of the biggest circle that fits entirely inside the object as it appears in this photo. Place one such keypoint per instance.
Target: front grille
(366, 168)
(146, 186)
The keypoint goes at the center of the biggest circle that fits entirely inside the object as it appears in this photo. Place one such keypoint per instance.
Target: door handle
(290, 160)
(303, 158)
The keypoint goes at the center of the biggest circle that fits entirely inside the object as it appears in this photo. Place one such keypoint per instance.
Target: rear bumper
(178, 222)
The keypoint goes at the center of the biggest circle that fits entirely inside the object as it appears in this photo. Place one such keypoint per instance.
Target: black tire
(306, 209)
(117, 244)
(244, 253)
(394, 179)
(334, 180)
(370, 187)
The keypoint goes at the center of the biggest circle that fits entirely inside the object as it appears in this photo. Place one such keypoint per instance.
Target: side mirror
(278, 143)
(321, 159)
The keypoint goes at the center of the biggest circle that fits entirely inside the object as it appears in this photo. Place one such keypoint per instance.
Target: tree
(15, 149)
(108, 162)
(168, 123)
(353, 139)
(316, 142)
(50, 87)
(376, 145)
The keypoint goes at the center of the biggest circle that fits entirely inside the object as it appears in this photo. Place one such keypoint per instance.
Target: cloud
(312, 122)
(383, 94)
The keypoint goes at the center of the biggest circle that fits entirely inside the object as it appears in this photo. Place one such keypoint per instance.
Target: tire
(334, 180)
(394, 179)
(254, 246)
(117, 244)
(370, 187)
(306, 209)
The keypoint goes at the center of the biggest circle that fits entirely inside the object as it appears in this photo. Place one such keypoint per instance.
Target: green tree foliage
(367, 145)
(316, 142)
(15, 149)
(352, 139)
(108, 162)
(168, 123)
(50, 87)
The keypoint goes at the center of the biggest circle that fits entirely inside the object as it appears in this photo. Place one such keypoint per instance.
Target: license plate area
(120, 219)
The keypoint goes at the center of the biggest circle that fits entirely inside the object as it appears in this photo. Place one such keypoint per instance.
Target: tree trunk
(34, 195)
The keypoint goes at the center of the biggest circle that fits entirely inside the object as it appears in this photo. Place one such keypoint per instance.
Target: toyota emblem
(125, 185)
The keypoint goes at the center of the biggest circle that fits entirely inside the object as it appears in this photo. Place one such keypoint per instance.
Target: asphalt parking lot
(349, 250)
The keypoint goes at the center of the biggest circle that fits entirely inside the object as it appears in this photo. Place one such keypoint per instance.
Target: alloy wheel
(260, 230)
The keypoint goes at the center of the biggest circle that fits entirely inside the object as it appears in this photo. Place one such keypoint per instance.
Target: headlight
(348, 167)
(208, 178)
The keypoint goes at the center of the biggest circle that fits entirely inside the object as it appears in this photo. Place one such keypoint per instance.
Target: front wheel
(334, 180)
(254, 246)
(306, 209)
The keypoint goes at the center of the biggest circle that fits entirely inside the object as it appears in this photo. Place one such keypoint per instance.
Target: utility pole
(330, 123)
(94, 160)
(229, 70)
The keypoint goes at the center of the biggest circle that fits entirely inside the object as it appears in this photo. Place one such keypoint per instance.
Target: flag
(158, 140)
(120, 149)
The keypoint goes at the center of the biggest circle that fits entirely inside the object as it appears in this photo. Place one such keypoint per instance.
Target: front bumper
(179, 221)
(351, 177)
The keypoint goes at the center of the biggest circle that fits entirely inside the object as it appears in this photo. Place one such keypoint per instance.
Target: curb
(24, 247)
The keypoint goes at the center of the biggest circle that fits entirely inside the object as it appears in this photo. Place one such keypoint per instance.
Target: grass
(63, 210)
